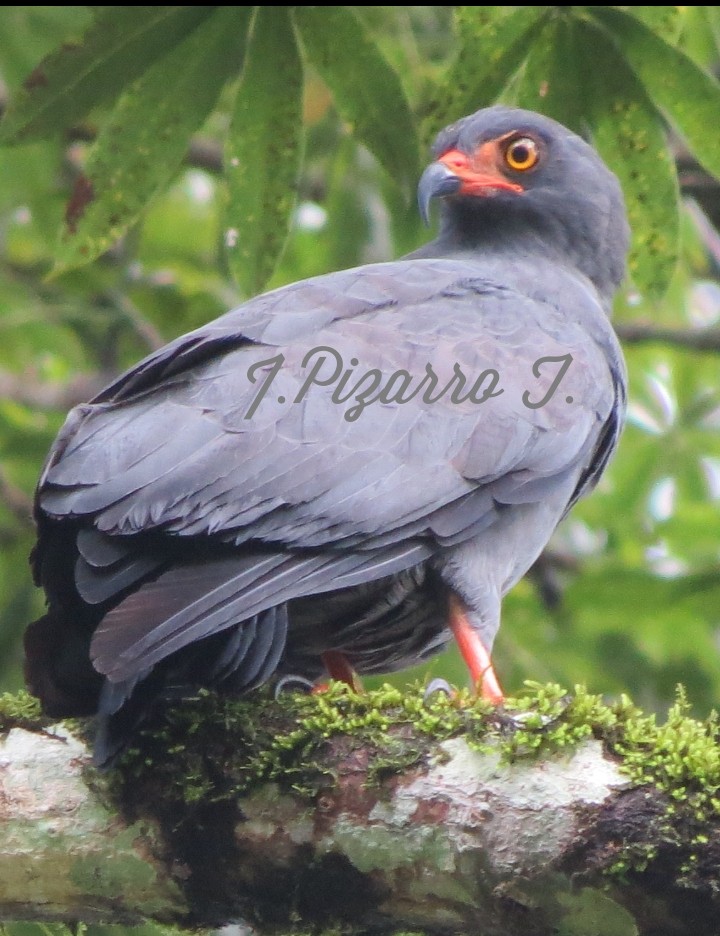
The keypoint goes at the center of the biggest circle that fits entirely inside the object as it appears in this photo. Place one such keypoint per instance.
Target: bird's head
(517, 180)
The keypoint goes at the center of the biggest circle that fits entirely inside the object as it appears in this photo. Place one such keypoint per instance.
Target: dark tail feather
(236, 660)
(57, 666)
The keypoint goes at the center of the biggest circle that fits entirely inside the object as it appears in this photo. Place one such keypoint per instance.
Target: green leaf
(366, 89)
(711, 15)
(630, 137)
(142, 145)
(689, 96)
(551, 79)
(575, 74)
(698, 39)
(264, 149)
(493, 44)
(120, 45)
(29, 33)
(29, 181)
(665, 21)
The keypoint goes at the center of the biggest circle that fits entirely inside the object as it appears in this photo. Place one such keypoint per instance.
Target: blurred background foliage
(160, 164)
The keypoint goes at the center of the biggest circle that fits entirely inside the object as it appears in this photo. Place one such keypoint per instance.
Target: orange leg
(474, 653)
(338, 667)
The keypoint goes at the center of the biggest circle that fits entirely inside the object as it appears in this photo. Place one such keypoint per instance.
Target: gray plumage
(180, 542)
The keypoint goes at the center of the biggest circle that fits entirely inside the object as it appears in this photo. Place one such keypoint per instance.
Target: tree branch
(29, 391)
(65, 853)
(699, 339)
(459, 840)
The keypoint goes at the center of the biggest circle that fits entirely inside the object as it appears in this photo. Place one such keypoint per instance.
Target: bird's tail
(57, 665)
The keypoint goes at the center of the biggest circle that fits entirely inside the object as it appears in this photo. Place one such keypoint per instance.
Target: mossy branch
(370, 813)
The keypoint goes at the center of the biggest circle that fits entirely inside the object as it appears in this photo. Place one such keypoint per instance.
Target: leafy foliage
(143, 143)
(172, 146)
(117, 48)
(264, 148)
(605, 95)
(163, 69)
(603, 69)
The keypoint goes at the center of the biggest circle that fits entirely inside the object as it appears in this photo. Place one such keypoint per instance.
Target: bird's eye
(521, 154)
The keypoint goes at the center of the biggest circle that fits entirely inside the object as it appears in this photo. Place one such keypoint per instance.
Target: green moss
(258, 739)
(213, 748)
(546, 718)
(254, 740)
(20, 710)
(680, 757)
(246, 742)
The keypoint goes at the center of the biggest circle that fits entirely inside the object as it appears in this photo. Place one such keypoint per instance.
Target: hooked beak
(455, 173)
(436, 181)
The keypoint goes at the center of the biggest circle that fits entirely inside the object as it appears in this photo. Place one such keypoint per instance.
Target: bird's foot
(537, 720)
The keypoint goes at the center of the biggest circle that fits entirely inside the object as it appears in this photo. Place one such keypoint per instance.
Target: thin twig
(699, 339)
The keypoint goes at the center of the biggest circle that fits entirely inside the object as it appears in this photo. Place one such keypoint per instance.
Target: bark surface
(459, 842)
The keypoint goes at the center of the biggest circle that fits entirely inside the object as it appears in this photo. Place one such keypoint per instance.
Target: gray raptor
(341, 474)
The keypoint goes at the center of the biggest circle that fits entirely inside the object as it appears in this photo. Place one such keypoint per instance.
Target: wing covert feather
(171, 450)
